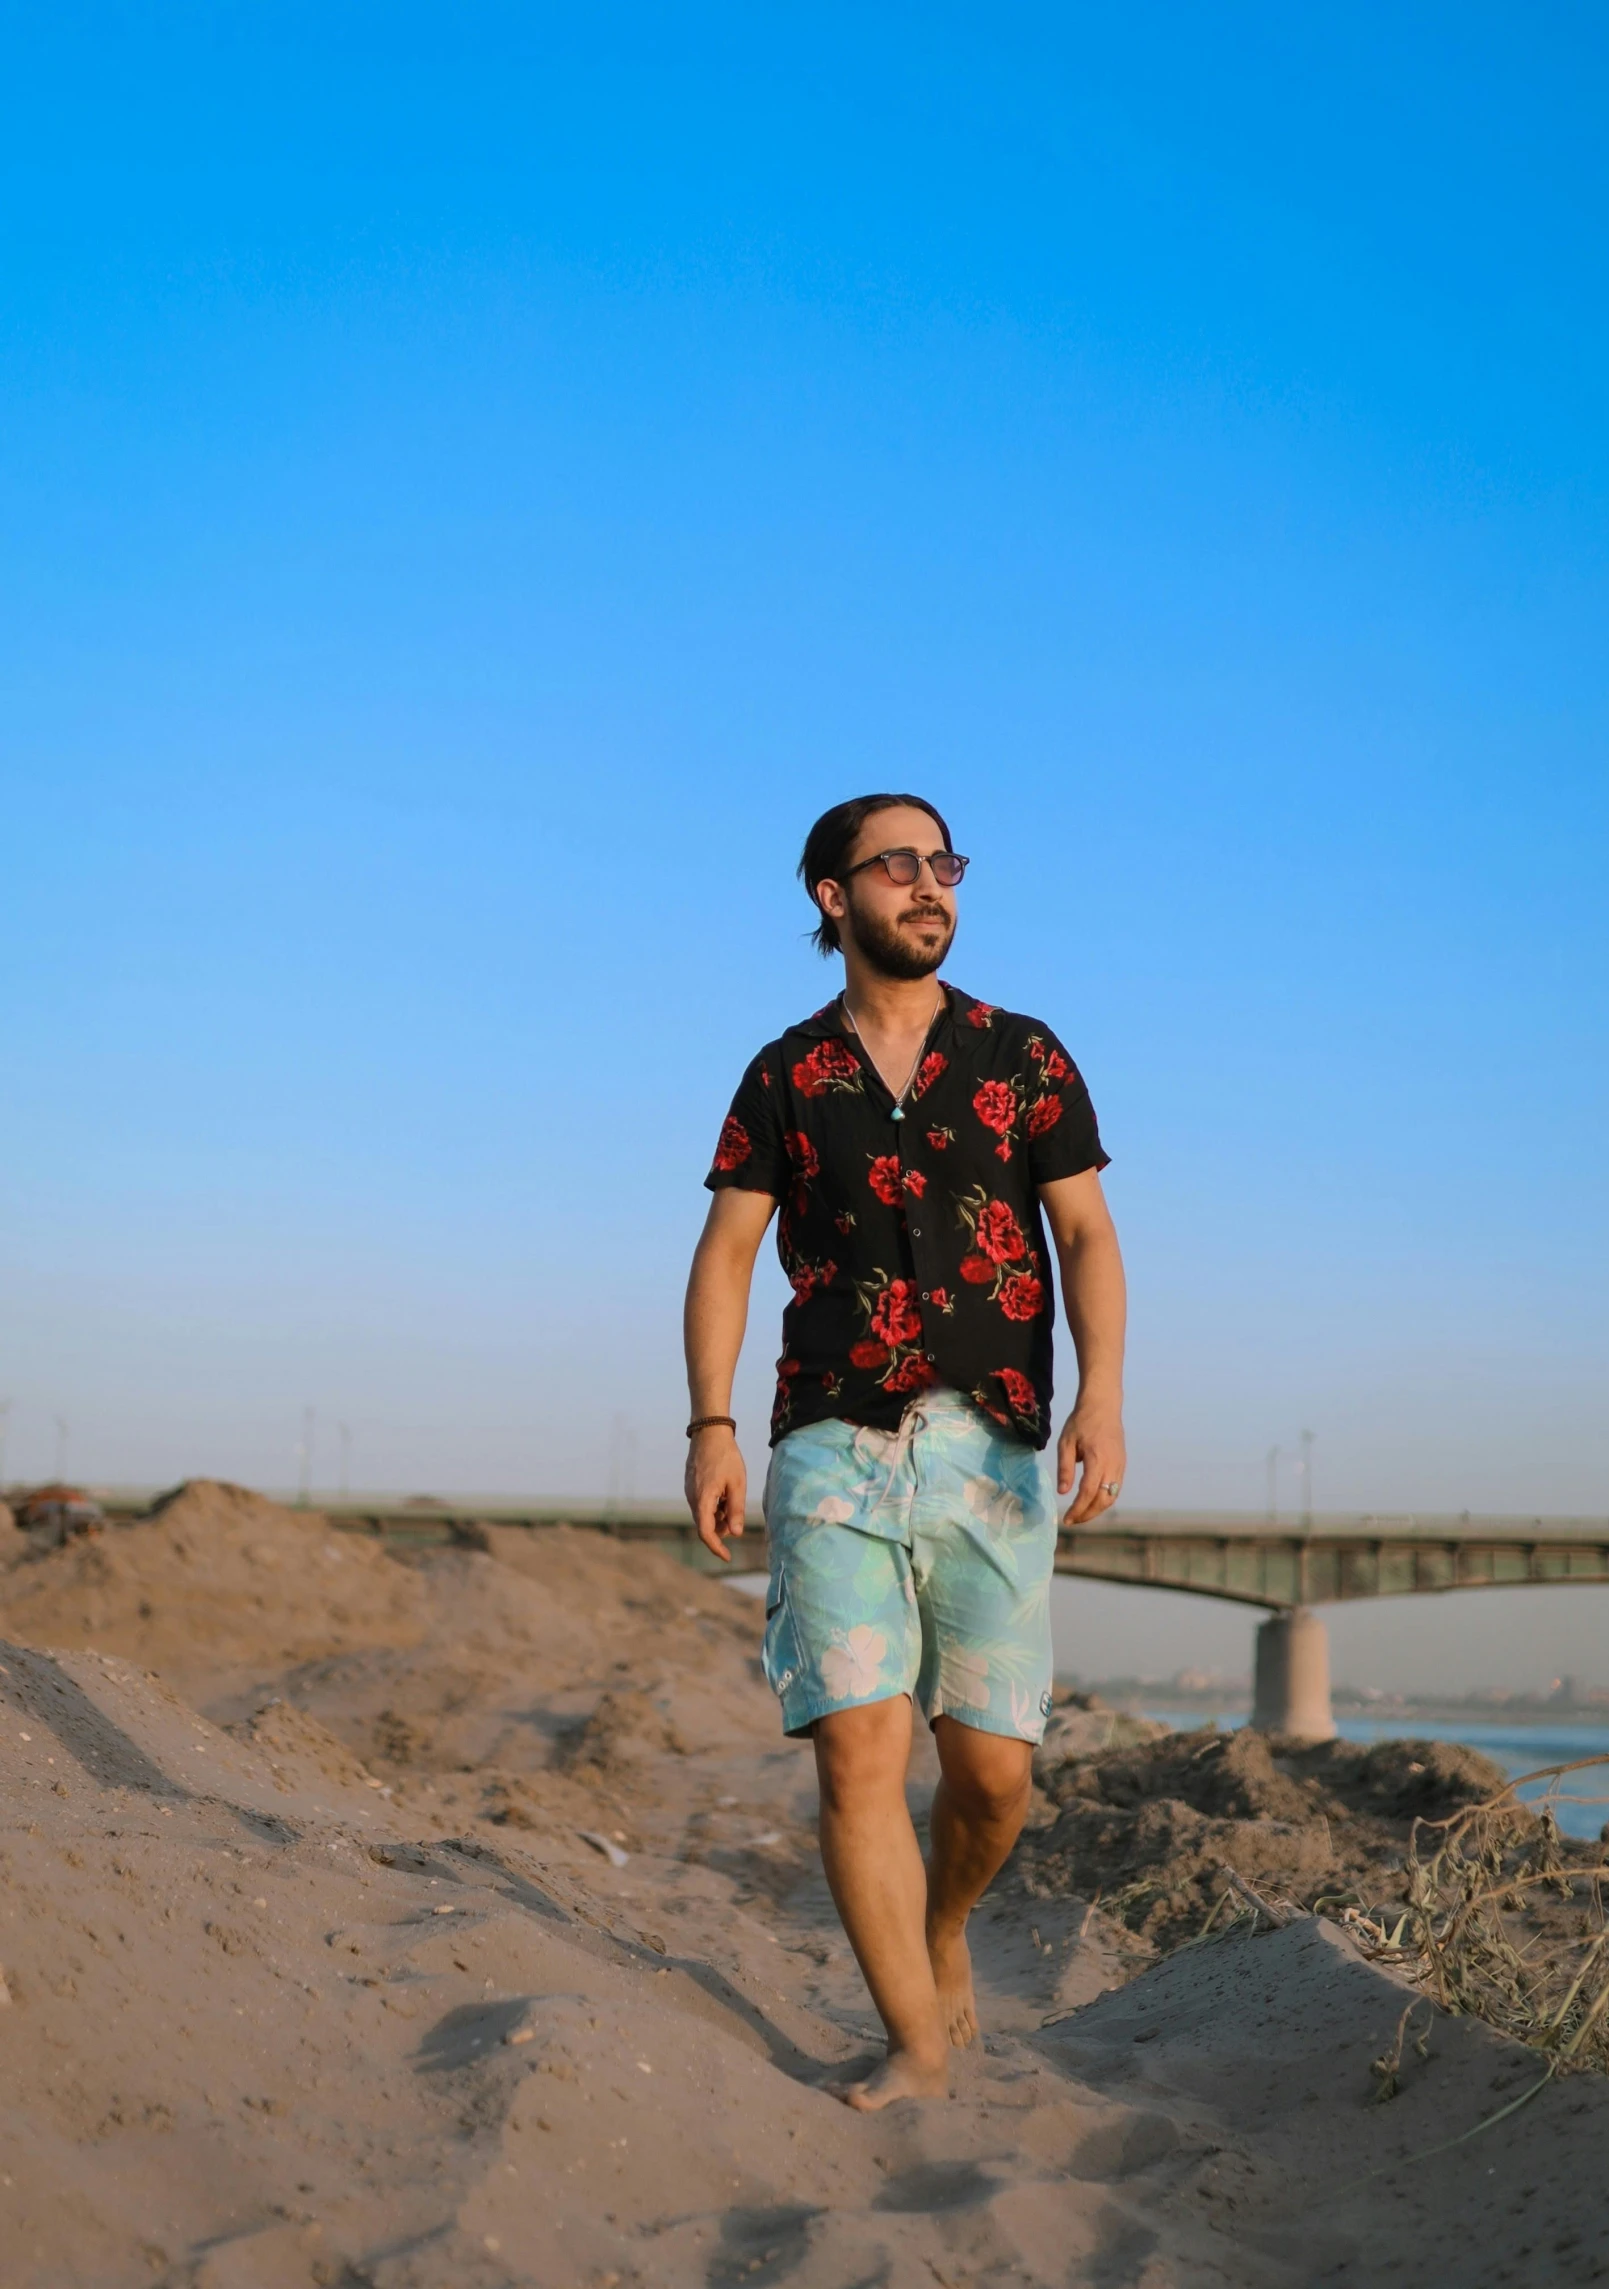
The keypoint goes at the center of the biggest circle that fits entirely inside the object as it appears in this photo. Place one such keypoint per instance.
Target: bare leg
(874, 1867)
(978, 1811)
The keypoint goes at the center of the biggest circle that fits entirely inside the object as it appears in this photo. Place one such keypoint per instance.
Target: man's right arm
(713, 1321)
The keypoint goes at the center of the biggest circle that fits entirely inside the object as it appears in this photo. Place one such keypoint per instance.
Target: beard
(891, 953)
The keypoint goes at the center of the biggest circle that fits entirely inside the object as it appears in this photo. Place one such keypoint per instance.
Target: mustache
(925, 914)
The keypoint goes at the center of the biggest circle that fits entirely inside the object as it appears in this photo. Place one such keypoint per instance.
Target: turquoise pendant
(898, 1114)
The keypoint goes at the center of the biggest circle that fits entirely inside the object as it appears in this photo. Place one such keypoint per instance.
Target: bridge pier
(1292, 1679)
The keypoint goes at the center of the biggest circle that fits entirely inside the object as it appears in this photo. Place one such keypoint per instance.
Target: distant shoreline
(1132, 1695)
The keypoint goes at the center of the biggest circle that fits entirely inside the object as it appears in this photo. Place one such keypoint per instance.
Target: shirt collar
(828, 1020)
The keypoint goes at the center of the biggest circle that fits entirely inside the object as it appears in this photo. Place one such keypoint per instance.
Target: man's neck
(888, 1006)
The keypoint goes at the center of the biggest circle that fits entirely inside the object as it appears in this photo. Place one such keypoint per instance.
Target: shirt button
(926, 1298)
(916, 1231)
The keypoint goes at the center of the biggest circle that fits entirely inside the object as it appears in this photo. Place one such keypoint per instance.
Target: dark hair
(833, 837)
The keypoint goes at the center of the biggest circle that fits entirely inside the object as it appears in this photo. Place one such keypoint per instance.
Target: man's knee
(987, 1776)
(860, 1752)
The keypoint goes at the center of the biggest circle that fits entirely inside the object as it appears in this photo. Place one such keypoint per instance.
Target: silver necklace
(898, 1114)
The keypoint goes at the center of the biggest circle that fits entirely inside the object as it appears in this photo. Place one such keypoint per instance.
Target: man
(911, 1137)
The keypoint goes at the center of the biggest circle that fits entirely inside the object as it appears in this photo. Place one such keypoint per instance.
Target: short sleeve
(749, 1154)
(1058, 1118)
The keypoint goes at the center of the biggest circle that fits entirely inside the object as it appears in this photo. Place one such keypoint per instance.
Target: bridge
(1282, 1569)
(1287, 1570)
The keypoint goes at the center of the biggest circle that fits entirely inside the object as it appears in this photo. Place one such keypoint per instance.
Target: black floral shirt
(914, 1244)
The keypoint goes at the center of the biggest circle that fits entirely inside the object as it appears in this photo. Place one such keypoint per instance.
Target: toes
(963, 2025)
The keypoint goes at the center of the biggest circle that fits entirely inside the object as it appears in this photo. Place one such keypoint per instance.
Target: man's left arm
(1095, 1301)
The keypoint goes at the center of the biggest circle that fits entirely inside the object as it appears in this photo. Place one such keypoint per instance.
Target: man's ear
(831, 899)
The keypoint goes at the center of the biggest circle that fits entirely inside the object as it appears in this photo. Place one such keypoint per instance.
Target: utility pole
(61, 1447)
(304, 1461)
(1274, 1454)
(345, 1432)
(1307, 1481)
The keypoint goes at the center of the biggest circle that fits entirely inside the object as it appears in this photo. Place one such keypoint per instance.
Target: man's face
(904, 931)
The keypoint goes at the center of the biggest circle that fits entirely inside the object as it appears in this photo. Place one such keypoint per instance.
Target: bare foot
(952, 1975)
(901, 2075)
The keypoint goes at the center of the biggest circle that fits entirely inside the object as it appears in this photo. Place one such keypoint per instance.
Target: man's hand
(717, 1488)
(1094, 1438)
(1092, 1289)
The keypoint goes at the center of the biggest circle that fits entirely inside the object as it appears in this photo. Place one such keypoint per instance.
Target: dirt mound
(548, 1651)
(1081, 1725)
(1152, 1827)
(1230, 1775)
(625, 1736)
(216, 1578)
(297, 1747)
(1403, 1779)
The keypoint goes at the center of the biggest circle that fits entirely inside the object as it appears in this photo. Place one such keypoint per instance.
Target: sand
(320, 1970)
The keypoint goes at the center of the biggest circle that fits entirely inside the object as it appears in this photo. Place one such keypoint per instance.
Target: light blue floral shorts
(912, 1561)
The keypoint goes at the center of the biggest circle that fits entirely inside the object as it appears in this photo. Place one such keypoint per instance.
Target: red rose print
(896, 1318)
(787, 1368)
(806, 1278)
(845, 1222)
(939, 1138)
(1018, 1389)
(802, 1153)
(915, 1183)
(1043, 1114)
(1002, 1150)
(977, 1271)
(734, 1147)
(1021, 1296)
(933, 1064)
(883, 1177)
(912, 1373)
(981, 1014)
(998, 1234)
(831, 1064)
(996, 1106)
(1057, 1068)
(940, 1299)
(1036, 1049)
(868, 1354)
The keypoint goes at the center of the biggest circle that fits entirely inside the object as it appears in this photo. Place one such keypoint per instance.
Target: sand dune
(316, 1977)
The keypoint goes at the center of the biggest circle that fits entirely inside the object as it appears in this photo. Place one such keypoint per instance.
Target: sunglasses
(903, 867)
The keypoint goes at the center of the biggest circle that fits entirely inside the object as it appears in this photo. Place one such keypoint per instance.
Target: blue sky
(473, 486)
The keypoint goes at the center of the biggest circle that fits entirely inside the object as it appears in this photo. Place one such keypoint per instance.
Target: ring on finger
(1110, 1486)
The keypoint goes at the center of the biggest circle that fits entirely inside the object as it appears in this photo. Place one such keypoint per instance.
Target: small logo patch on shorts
(1044, 1704)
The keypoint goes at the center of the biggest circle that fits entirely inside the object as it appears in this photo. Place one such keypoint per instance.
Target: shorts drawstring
(913, 1420)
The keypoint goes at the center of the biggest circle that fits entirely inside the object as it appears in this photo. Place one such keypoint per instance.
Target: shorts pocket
(779, 1657)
